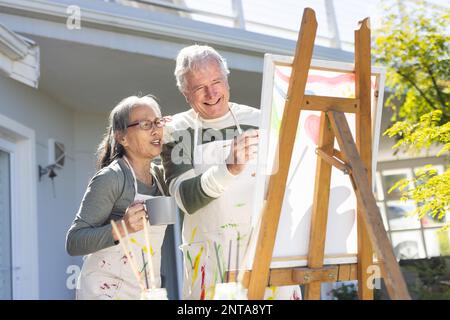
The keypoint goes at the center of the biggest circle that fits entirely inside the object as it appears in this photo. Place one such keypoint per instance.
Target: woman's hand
(134, 219)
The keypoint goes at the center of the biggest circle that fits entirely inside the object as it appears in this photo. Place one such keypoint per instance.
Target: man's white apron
(207, 233)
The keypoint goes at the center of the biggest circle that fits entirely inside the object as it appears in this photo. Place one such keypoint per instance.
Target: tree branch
(436, 87)
(418, 89)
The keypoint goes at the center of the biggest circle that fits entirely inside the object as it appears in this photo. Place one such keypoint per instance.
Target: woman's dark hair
(110, 149)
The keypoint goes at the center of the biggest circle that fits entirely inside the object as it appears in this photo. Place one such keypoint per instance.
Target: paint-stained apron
(207, 233)
(107, 274)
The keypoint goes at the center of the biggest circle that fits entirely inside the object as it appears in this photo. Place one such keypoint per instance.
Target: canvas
(325, 78)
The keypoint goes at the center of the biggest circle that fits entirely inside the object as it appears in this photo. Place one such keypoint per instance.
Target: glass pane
(5, 228)
(438, 168)
(383, 215)
(379, 196)
(390, 178)
(429, 221)
(397, 213)
(437, 242)
(408, 245)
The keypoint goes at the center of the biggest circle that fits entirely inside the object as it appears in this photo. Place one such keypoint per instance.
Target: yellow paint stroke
(272, 297)
(196, 265)
(144, 248)
(194, 231)
(152, 252)
(211, 291)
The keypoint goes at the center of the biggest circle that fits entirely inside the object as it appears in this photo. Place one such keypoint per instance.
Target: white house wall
(89, 130)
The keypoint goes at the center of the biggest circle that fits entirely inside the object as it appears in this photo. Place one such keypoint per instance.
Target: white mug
(161, 210)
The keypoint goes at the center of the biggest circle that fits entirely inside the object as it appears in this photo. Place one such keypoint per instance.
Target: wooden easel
(353, 158)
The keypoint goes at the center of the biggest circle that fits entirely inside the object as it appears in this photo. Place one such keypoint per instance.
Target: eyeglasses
(149, 125)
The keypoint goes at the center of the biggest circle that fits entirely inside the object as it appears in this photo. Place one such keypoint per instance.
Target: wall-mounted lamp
(50, 170)
(56, 157)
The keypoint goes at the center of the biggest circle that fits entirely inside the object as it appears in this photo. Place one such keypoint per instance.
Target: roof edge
(116, 16)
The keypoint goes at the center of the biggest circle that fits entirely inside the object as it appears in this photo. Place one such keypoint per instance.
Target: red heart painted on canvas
(312, 125)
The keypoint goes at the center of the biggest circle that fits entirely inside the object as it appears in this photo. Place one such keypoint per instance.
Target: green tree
(414, 44)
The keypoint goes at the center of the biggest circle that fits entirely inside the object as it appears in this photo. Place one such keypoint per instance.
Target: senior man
(209, 163)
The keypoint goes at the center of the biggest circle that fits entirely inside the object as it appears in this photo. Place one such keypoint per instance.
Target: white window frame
(25, 256)
(407, 167)
(10, 149)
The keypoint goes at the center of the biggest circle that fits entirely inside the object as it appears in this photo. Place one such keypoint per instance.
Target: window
(5, 228)
(411, 237)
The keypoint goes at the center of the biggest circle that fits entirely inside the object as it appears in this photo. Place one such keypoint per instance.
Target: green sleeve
(91, 231)
(192, 195)
(177, 160)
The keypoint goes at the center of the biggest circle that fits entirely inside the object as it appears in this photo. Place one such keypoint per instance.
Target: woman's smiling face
(207, 90)
(139, 142)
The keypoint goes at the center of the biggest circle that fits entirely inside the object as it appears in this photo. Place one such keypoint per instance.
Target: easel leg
(364, 146)
(271, 212)
(320, 207)
(365, 260)
(370, 214)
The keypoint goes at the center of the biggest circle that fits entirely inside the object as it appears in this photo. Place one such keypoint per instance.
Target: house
(64, 65)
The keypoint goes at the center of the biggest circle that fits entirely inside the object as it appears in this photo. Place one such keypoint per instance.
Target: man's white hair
(194, 57)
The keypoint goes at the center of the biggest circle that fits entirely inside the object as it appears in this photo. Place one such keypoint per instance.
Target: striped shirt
(194, 191)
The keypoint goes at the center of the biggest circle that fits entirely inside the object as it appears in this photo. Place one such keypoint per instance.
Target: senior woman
(126, 178)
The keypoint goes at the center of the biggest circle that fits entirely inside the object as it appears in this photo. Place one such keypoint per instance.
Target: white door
(6, 270)
(19, 254)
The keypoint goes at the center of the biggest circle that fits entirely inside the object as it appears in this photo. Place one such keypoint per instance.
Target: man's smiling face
(207, 90)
